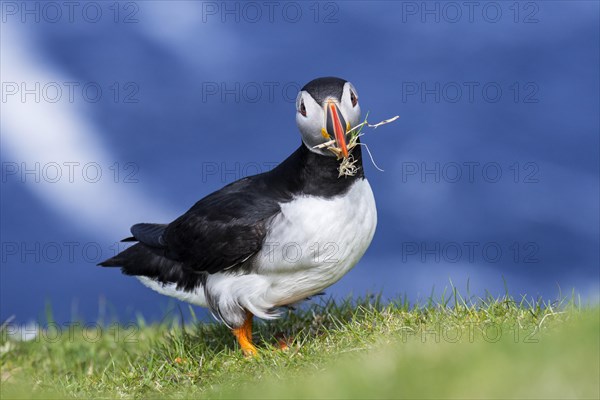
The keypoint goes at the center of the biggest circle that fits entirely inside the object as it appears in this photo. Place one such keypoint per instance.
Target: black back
(226, 228)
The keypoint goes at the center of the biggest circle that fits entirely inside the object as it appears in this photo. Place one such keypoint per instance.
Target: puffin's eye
(302, 109)
(353, 99)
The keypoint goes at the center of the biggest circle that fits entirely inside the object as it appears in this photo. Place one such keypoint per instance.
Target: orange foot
(243, 335)
(283, 342)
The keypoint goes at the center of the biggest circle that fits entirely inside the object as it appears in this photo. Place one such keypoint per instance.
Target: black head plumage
(322, 88)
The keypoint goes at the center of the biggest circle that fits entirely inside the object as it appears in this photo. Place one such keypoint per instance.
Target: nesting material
(348, 165)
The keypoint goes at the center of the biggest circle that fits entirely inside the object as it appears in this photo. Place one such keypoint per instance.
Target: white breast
(313, 242)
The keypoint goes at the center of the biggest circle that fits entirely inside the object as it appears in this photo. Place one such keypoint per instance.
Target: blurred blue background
(114, 114)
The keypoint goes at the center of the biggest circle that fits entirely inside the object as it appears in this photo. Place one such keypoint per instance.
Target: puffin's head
(326, 108)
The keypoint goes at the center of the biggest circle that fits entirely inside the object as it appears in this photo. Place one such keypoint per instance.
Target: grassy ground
(490, 348)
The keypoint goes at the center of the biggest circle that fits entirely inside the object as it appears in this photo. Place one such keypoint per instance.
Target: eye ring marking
(302, 108)
(353, 99)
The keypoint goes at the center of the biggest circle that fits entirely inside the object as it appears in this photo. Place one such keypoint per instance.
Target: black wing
(150, 234)
(222, 230)
(219, 232)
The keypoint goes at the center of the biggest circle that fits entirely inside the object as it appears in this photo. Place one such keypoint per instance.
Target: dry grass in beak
(348, 164)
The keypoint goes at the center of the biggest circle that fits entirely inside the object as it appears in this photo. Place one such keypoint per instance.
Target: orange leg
(243, 335)
(283, 341)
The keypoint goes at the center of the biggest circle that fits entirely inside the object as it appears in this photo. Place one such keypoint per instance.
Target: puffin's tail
(136, 254)
(148, 251)
(140, 259)
(143, 260)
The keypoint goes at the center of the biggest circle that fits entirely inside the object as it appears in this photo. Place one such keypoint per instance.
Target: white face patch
(314, 122)
(310, 125)
(350, 112)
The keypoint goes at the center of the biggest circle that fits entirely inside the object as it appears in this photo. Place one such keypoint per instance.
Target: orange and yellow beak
(336, 126)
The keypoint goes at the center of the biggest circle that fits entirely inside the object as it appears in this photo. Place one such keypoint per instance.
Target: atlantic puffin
(273, 239)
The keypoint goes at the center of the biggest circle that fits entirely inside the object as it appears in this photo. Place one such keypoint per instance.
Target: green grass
(486, 348)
